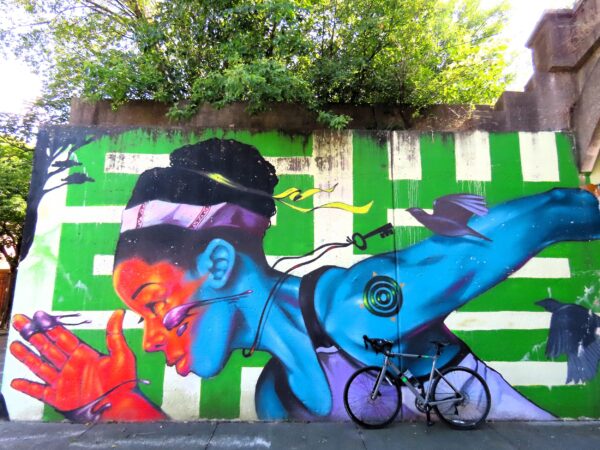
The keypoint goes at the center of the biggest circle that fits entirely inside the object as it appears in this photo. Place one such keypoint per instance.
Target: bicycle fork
(379, 380)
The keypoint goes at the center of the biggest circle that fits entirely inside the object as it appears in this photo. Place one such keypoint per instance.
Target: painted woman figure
(190, 262)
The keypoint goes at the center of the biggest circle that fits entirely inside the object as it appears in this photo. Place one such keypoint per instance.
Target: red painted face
(152, 290)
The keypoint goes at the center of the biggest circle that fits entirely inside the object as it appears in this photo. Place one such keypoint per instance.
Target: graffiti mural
(574, 333)
(233, 275)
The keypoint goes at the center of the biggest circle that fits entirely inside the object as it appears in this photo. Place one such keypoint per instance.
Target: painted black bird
(573, 331)
(451, 214)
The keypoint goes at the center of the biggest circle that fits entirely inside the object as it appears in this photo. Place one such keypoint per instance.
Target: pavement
(291, 436)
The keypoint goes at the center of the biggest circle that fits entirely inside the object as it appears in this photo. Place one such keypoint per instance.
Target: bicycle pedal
(428, 416)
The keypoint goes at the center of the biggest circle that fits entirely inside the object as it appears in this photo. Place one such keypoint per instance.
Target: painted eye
(152, 307)
(141, 320)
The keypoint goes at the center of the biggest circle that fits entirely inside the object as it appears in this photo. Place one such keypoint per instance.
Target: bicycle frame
(399, 376)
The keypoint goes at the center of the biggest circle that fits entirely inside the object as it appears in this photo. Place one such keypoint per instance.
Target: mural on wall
(574, 333)
(195, 258)
(55, 157)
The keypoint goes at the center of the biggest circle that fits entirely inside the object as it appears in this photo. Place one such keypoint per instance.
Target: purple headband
(192, 217)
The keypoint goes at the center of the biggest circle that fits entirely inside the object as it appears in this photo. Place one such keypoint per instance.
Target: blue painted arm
(440, 274)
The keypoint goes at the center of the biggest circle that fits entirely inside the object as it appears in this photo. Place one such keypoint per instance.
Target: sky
(523, 16)
(19, 87)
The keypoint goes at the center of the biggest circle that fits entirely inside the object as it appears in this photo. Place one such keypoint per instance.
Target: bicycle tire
(361, 408)
(473, 410)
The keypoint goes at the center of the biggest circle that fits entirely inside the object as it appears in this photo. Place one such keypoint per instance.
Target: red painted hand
(76, 375)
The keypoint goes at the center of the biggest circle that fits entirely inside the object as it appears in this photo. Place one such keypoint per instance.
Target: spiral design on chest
(382, 296)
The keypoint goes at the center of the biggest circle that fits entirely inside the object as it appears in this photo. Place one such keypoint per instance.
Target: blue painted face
(228, 306)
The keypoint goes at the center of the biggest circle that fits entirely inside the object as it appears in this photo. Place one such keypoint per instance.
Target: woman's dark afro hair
(185, 181)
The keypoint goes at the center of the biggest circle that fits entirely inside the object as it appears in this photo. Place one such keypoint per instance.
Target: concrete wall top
(295, 119)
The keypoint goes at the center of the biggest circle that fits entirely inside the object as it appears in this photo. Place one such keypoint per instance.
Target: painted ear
(217, 260)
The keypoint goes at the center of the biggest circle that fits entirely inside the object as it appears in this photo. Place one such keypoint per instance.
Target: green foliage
(15, 172)
(316, 53)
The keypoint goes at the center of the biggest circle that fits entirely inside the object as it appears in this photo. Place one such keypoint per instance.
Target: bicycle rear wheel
(473, 408)
(361, 408)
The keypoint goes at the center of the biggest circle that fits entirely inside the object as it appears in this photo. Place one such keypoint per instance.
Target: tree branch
(102, 9)
(15, 143)
(5, 253)
(45, 191)
(54, 172)
(271, 37)
(10, 259)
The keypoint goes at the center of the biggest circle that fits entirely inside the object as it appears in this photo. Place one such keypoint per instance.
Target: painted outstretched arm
(427, 281)
(79, 382)
(518, 230)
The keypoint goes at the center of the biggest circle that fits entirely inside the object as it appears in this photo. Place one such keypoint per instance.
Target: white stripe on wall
(544, 268)
(332, 157)
(539, 157)
(531, 373)
(291, 164)
(248, 387)
(136, 163)
(404, 156)
(103, 265)
(133, 163)
(498, 320)
(472, 152)
(402, 218)
(181, 395)
(90, 214)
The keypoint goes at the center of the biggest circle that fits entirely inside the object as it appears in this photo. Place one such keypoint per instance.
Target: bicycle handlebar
(384, 346)
(379, 345)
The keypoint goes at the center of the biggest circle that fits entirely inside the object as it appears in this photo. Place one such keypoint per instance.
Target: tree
(317, 53)
(15, 172)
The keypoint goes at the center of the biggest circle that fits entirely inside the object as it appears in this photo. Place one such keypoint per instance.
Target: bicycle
(458, 395)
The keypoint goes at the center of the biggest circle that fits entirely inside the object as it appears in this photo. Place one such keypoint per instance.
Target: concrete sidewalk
(290, 436)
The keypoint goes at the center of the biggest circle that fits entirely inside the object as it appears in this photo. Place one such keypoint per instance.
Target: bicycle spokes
(369, 405)
(462, 398)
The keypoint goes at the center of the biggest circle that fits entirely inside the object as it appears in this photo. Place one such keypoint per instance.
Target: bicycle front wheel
(472, 395)
(369, 409)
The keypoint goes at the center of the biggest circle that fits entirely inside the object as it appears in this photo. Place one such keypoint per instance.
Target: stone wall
(565, 88)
